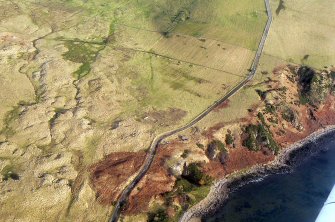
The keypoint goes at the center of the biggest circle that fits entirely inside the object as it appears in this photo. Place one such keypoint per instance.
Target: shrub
(10, 175)
(201, 146)
(214, 148)
(229, 139)
(185, 154)
(159, 215)
(261, 118)
(251, 141)
(194, 174)
(259, 134)
(270, 108)
(184, 185)
(262, 94)
(218, 144)
(303, 99)
(288, 114)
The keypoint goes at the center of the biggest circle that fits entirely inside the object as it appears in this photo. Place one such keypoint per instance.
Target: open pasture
(203, 52)
(303, 32)
(235, 22)
(239, 23)
(159, 83)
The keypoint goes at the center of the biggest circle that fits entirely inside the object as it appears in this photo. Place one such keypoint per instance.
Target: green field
(174, 54)
(239, 23)
(236, 22)
(159, 84)
(303, 32)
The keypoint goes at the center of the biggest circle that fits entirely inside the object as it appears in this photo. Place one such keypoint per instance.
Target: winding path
(153, 147)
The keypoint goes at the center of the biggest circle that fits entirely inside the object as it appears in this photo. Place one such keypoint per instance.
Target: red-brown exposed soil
(223, 105)
(324, 116)
(279, 68)
(239, 158)
(157, 181)
(109, 175)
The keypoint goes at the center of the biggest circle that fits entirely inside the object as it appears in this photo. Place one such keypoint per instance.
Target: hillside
(86, 86)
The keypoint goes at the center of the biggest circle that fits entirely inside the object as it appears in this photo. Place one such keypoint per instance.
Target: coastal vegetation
(259, 136)
(314, 87)
(159, 215)
(194, 175)
(188, 190)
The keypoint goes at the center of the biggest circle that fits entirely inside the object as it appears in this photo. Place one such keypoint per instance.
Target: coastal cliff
(294, 103)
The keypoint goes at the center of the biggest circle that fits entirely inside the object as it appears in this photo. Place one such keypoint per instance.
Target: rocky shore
(288, 157)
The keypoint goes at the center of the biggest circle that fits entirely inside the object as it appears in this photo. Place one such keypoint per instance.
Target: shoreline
(283, 163)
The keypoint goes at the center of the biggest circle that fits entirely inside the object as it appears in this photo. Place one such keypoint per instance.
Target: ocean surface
(297, 196)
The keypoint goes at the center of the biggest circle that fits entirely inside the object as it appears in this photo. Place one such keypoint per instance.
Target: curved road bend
(153, 147)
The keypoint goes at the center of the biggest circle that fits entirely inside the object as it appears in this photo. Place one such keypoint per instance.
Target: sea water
(297, 196)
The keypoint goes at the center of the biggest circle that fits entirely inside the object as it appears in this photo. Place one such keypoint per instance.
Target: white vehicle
(327, 213)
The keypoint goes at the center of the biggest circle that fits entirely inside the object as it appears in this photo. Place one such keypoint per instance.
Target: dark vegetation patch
(261, 94)
(217, 150)
(218, 144)
(187, 194)
(189, 189)
(306, 76)
(8, 119)
(229, 139)
(288, 114)
(280, 7)
(82, 52)
(167, 15)
(304, 59)
(201, 146)
(259, 136)
(9, 173)
(332, 75)
(269, 108)
(185, 154)
(314, 87)
(332, 85)
(159, 215)
(194, 175)
(86, 52)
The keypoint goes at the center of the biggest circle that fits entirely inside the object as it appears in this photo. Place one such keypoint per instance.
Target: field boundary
(184, 61)
(185, 35)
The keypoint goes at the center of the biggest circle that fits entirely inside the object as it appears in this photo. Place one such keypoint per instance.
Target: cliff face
(297, 101)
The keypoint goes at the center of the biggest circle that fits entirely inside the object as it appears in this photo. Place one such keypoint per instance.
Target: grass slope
(303, 32)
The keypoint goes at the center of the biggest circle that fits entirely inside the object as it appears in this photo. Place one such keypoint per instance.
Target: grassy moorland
(83, 79)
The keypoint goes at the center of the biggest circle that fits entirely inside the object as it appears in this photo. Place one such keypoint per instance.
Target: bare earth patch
(110, 175)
